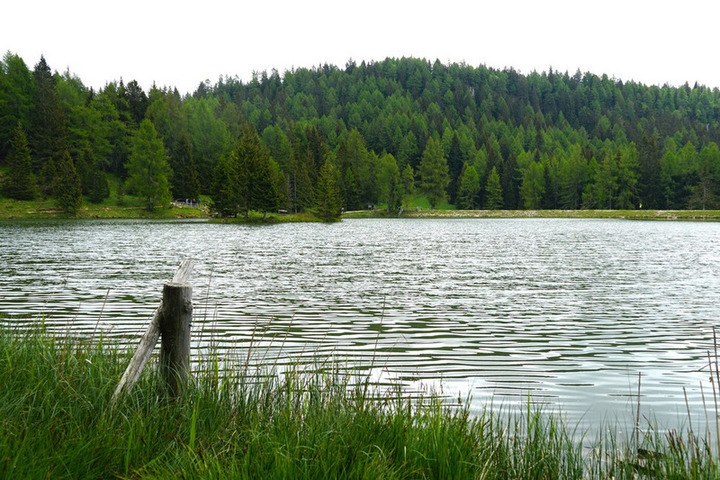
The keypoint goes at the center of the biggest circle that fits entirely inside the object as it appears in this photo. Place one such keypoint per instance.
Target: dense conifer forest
(368, 134)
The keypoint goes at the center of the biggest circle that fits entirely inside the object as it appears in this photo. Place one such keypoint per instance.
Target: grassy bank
(696, 215)
(56, 421)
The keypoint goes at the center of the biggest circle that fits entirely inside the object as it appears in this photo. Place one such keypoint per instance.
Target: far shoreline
(687, 215)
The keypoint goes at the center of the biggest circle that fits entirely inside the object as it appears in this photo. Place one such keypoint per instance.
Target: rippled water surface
(565, 311)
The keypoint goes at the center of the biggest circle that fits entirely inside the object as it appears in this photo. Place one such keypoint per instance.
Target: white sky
(181, 43)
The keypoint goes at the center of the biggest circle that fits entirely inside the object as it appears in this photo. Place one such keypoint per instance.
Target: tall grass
(57, 421)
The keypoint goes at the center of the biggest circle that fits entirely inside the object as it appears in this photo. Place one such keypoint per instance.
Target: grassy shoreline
(692, 215)
(57, 421)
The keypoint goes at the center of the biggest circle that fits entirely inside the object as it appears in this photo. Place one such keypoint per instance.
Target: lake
(564, 312)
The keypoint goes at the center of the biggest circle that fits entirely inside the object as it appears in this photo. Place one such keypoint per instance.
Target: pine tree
(147, 167)
(184, 182)
(434, 177)
(329, 202)
(20, 183)
(256, 190)
(47, 134)
(224, 187)
(493, 191)
(67, 190)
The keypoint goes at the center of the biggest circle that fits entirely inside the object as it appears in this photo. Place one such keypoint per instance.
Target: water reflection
(568, 311)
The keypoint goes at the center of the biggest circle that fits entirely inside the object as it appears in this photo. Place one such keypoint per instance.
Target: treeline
(376, 133)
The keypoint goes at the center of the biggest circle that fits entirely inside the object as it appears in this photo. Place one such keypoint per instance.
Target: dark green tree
(20, 182)
(256, 190)
(470, 187)
(184, 182)
(66, 188)
(99, 188)
(47, 133)
(329, 202)
(493, 191)
(224, 189)
(433, 171)
(148, 168)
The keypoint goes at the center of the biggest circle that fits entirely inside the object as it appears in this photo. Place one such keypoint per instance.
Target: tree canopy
(538, 140)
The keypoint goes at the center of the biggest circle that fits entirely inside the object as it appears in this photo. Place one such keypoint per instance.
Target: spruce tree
(20, 183)
(329, 202)
(184, 174)
(469, 188)
(47, 134)
(67, 190)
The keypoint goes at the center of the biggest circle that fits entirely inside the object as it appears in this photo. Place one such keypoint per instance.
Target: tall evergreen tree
(433, 171)
(20, 183)
(148, 168)
(47, 133)
(184, 183)
(256, 190)
(533, 186)
(493, 191)
(67, 190)
(224, 187)
(329, 202)
(16, 92)
(469, 188)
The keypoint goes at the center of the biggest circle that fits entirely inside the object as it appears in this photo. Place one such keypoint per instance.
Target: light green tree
(533, 186)
(147, 167)
(433, 171)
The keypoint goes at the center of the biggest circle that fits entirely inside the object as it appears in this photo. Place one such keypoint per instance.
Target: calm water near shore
(565, 312)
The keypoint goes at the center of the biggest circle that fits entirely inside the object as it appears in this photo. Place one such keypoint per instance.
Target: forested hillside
(369, 134)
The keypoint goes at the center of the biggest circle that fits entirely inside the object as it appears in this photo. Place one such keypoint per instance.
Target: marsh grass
(57, 421)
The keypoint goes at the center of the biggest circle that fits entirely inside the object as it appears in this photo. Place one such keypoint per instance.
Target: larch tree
(147, 167)
(433, 171)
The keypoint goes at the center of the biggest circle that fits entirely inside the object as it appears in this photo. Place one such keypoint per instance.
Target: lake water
(565, 312)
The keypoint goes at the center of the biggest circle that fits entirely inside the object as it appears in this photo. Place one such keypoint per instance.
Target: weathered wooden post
(175, 335)
(171, 320)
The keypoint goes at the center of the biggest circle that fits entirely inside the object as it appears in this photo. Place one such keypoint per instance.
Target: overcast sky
(181, 43)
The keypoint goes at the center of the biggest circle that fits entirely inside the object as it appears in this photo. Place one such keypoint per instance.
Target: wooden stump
(175, 320)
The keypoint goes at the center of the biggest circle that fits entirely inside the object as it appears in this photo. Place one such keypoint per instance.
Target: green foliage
(493, 191)
(20, 183)
(184, 183)
(533, 186)
(433, 172)
(329, 202)
(469, 190)
(67, 189)
(602, 143)
(256, 189)
(147, 167)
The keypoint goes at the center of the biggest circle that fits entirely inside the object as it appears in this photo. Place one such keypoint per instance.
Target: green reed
(57, 420)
